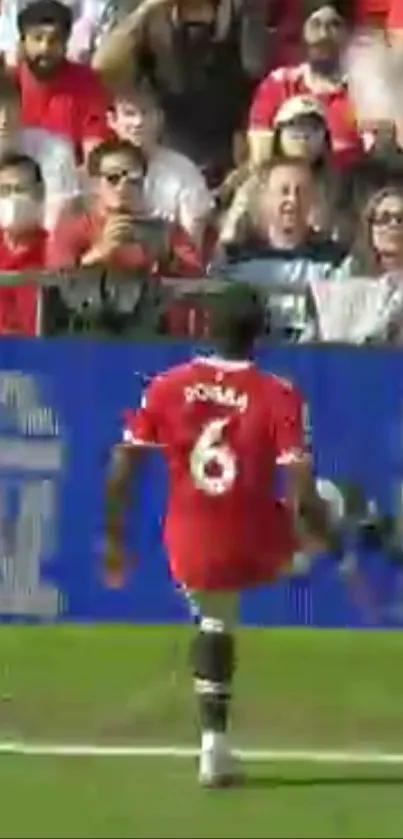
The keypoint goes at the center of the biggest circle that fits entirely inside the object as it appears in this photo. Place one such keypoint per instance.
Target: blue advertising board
(61, 404)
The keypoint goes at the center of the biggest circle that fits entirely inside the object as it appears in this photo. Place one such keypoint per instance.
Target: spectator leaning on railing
(23, 240)
(59, 95)
(174, 186)
(116, 230)
(274, 243)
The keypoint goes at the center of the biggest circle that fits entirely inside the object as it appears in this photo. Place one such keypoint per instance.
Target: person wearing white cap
(301, 129)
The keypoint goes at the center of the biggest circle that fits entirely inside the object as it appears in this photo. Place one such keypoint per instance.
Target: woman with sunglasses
(378, 248)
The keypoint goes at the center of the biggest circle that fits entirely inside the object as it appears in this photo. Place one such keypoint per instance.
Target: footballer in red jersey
(223, 427)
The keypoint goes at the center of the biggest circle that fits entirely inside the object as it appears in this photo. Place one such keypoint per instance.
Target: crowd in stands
(210, 139)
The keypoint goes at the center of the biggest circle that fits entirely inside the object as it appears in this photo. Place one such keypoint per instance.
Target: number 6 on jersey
(211, 451)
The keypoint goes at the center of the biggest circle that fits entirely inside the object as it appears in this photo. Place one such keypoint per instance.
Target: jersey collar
(222, 363)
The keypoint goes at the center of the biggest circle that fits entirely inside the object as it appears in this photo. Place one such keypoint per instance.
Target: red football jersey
(223, 427)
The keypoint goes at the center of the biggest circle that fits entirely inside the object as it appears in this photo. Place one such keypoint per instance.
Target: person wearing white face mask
(23, 240)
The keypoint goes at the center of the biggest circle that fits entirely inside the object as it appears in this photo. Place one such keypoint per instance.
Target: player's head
(237, 320)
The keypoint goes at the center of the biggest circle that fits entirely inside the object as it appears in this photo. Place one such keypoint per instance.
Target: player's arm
(140, 434)
(312, 515)
(292, 433)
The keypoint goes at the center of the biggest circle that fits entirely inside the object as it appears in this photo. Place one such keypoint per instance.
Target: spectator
(116, 230)
(175, 188)
(58, 95)
(274, 243)
(301, 130)
(202, 58)
(324, 36)
(54, 154)
(88, 23)
(378, 248)
(22, 240)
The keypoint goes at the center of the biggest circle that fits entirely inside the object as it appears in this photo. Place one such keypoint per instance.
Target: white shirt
(176, 189)
(55, 156)
(87, 26)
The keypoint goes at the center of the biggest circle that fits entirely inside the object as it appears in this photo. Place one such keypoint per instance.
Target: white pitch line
(364, 757)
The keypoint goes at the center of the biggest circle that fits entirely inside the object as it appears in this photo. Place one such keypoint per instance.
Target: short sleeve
(142, 427)
(292, 427)
(269, 96)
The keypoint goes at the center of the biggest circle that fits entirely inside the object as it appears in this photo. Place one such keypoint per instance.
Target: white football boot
(217, 766)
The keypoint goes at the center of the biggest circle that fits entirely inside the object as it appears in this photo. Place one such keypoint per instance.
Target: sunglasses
(309, 122)
(387, 218)
(116, 178)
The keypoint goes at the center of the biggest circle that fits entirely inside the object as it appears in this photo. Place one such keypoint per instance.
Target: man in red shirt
(22, 240)
(116, 230)
(324, 36)
(223, 427)
(59, 95)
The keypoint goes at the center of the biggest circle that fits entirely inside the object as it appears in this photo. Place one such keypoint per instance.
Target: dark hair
(237, 319)
(9, 88)
(114, 146)
(141, 94)
(323, 159)
(46, 12)
(13, 160)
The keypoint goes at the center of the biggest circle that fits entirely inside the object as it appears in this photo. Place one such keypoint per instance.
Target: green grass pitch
(126, 685)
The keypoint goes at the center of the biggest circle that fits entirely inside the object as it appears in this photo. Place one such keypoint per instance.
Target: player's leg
(213, 663)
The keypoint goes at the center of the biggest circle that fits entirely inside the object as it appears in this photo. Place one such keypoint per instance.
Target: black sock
(213, 656)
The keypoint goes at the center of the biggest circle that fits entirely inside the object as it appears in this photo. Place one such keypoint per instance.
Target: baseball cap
(299, 106)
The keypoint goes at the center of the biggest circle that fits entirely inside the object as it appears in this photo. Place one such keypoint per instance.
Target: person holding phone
(115, 229)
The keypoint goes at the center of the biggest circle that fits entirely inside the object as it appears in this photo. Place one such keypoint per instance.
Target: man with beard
(58, 95)
(324, 38)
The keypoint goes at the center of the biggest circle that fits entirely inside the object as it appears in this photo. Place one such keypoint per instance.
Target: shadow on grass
(345, 780)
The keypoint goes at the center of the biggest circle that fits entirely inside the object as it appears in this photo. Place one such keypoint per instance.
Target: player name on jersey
(229, 396)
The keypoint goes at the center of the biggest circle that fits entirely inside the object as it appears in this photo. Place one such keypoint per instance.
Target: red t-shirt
(223, 426)
(19, 304)
(371, 11)
(285, 82)
(74, 103)
(395, 16)
(74, 235)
